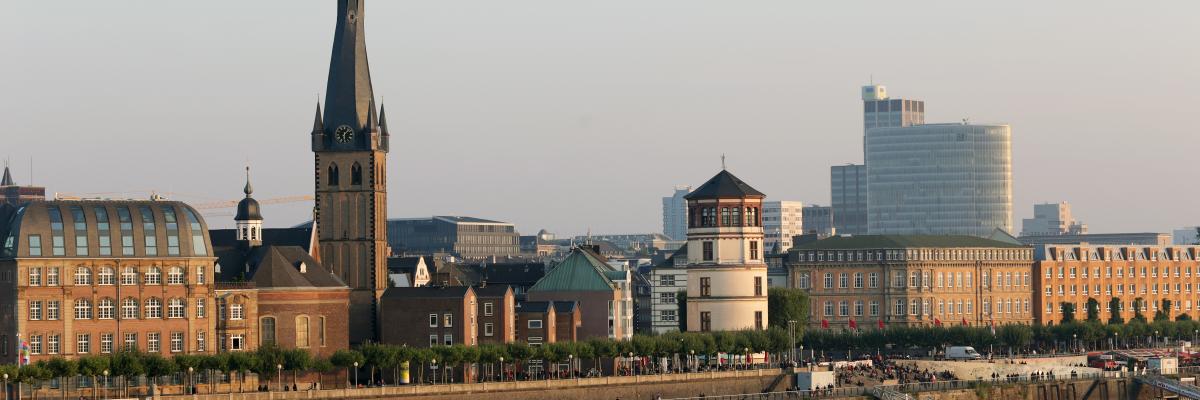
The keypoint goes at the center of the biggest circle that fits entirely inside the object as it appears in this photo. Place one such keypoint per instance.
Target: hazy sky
(570, 115)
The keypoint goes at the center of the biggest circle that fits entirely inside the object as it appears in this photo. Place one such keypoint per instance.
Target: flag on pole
(825, 323)
(853, 325)
(879, 323)
(937, 322)
(964, 321)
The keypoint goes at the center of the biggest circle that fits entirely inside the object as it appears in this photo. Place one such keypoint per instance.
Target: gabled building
(430, 316)
(727, 277)
(667, 279)
(408, 271)
(272, 288)
(496, 313)
(604, 294)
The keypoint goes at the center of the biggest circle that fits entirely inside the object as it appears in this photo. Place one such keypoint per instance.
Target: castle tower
(727, 277)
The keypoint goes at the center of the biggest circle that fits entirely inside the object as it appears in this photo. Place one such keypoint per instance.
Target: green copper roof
(581, 271)
(904, 241)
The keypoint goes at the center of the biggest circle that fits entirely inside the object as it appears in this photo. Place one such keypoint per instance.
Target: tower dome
(248, 209)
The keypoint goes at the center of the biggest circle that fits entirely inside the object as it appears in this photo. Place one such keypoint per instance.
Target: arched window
(175, 276)
(266, 336)
(83, 309)
(106, 276)
(83, 276)
(154, 276)
(129, 308)
(302, 331)
(333, 175)
(175, 308)
(153, 308)
(356, 174)
(106, 309)
(129, 276)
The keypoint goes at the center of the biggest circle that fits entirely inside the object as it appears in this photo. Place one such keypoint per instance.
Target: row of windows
(1146, 305)
(334, 176)
(706, 287)
(1094, 272)
(706, 251)
(916, 254)
(125, 221)
(303, 323)
(107, 276)
(1123, 254)
(106, 308)
(52, 343)
(706, 217)
(1152, 288)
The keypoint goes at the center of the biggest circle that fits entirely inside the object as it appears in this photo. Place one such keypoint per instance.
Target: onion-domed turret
(248, 209)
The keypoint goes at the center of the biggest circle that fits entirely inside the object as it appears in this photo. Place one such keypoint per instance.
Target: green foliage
(1138, 304)
(785, 305)
(1093, 310)
(1114, 310)
(1068, 312)
(346, 358)
(155, 365)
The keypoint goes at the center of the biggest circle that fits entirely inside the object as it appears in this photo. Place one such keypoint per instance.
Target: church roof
(7, 180)
(580, 271)
(274, 266)
(349, 99)
(724, 185)
(300, 236)
(248, 209)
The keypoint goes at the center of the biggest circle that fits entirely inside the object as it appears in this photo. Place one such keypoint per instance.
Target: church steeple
(7, 180)
(318, 124)
(349, 99)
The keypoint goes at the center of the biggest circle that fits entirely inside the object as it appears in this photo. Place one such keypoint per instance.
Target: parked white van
(962, 353)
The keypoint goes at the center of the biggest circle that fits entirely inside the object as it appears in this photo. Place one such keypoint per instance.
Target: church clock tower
(350, 144)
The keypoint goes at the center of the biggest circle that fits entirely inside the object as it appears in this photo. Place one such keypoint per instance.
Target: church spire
(318, 125)
(348, 95)
(7, 180)
(383, 121)
(248, 189)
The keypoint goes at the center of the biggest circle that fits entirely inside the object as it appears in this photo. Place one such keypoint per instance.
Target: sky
(579, 116)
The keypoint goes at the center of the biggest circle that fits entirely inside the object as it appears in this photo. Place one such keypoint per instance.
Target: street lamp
(691, 358)
(1155, 339)
(433, 366)
(1118, 339)
(501, 369)
(570, 364)
(191, 384)
(746, 361)
(106, 383)
(1075, 341)
(355, 374)
(279, 374)
(5, 386)
(801, 352)
(631, 363)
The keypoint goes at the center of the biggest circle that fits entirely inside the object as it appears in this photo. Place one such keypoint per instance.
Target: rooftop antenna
(722, 161)
(872, 79)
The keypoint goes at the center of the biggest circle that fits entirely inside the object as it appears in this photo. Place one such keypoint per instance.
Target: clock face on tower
(343, 134)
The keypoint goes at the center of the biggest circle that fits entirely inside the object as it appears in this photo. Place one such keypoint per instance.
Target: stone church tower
(350, 144)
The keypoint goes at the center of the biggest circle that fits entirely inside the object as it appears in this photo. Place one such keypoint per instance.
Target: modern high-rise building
(880, 111)
(942, 179)
(1052, 219)
(848, 187)
(674, 213)
(781, 221)
(819, 220)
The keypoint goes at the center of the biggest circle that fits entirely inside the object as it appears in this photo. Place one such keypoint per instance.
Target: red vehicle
(1103, 361)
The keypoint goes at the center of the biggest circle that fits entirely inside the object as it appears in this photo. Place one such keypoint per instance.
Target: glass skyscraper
(948, 179)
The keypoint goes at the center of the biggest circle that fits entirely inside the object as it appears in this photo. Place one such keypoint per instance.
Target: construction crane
(233, 203)
(156, 195)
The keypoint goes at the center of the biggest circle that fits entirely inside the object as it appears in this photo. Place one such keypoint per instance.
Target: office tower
(781, 221)
(848, 187)
(948, 179)
(819, 220)
(1052, 219)
(880, 111)
(674, 213)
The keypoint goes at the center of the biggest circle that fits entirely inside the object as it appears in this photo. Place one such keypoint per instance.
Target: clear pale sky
(570, 115)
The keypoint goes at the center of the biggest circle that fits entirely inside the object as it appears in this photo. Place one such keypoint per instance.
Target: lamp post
(1075, 342)
(433, 366)
(5, 386)
(746, 360)
(279, 375)
(691, 358)
(1155, 343)
(1117, 342)
(355, 374)
(501, 369)
(191, 383)
(631, 363)
(801, 352)
(105, 383)
(571, 364)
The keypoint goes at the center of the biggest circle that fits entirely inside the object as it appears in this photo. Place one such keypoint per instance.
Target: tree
(322, 366)
(1093, 310)
(1068, 312)
(681, 301)
(211, 363)
(128, 365)
(1114, 311)
(346, 359)
(93, 366)
(295, 361)
(156, 366)
(1017, 336)
(241, 363)
(64, 369)
(785, 305)
(375, 356)
(1164, 312)
(1138, 305)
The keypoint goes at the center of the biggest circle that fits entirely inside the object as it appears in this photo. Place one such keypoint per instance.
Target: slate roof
(582, 270)
(426, 292)
(404, 264)
(300, 236)
(273, 266)
(534, 306)
(491, 290)
(7, 180)
(723, 185)
(903, 241)
(518, 274)
(669, 262)
(565, 306)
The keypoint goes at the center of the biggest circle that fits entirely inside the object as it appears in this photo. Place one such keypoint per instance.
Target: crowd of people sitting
(883, 369)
